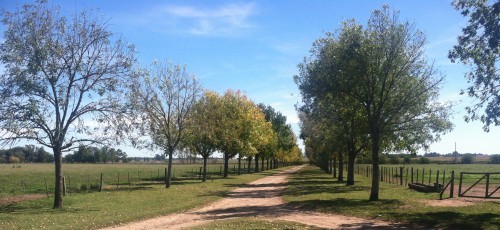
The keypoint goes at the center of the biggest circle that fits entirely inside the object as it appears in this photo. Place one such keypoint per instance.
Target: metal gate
(484, 185)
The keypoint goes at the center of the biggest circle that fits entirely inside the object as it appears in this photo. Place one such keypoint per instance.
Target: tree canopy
(478, 46)
(381, 70)
(162, 98)
(203, 126)
(59, 73)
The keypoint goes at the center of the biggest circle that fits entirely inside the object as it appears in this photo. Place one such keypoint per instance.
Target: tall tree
(203, 127)
(59, 75)
(162, 98)
(382, 69)
(479, 47)
(239, 127)
(284, 134)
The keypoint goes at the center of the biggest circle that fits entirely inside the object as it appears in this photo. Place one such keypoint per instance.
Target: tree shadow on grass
(308, 188)
(341, 204)
(450, 219)
(39, 208)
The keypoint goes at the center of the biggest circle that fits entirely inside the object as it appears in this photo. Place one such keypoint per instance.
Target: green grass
(94, 210)
(30, 178)
(251, 223)
(312, 188)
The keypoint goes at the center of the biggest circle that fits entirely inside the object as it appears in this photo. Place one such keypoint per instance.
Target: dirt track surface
(258, 199)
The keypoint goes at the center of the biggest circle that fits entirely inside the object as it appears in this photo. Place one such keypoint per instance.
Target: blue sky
(255, 46)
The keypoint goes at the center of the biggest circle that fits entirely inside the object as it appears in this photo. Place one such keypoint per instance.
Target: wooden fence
(471, 184)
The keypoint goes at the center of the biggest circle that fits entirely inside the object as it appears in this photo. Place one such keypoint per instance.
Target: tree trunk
(58, 192)
(249, 168)
(375, 138)
(330, 166)
(257, 163)
(239, 164)
(262, 165)
(334, 167)
(226, 165)
(169, 172)
(341, 168)
(205, 158)
(350, 167)
(267, 164)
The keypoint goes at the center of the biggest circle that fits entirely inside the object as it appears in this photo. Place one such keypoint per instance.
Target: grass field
(146, 197)
(312, 188)
(30, 178)
(99, 209)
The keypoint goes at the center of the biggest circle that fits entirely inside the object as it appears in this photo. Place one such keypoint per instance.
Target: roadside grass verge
(312, 189)
(100, 209)
(253, 223)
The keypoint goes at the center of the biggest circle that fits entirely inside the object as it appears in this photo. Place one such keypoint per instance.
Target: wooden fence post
(437, 179)
(412, 175)
(452, 185)
(423, 175)
(64, 185)
(460, 184)
(487, 185)
(100, 184)
(400, 175)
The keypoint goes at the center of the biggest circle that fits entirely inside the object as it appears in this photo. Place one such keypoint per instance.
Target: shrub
(14, 160)
(94, 187)
(424, 160)
(407, 160)
(382, 159)
(394, 160)
(365, 159)
(467, 159)
(495, 159)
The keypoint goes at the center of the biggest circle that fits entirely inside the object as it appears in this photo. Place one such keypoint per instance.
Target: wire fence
(117, 178)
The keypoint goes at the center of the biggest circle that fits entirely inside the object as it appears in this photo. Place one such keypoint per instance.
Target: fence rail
(471, 184)
(479, 190)
(95, 180)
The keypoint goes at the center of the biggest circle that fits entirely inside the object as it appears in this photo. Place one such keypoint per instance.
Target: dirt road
(260, 199)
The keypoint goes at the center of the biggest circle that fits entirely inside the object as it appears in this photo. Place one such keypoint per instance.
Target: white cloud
(227, 20)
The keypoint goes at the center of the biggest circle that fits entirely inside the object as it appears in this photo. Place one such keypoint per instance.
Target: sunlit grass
(39, 178)
(94, 210)
(252, 223)
(314, 189)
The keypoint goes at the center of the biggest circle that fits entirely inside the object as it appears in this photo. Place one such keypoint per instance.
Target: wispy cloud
(226, 20)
